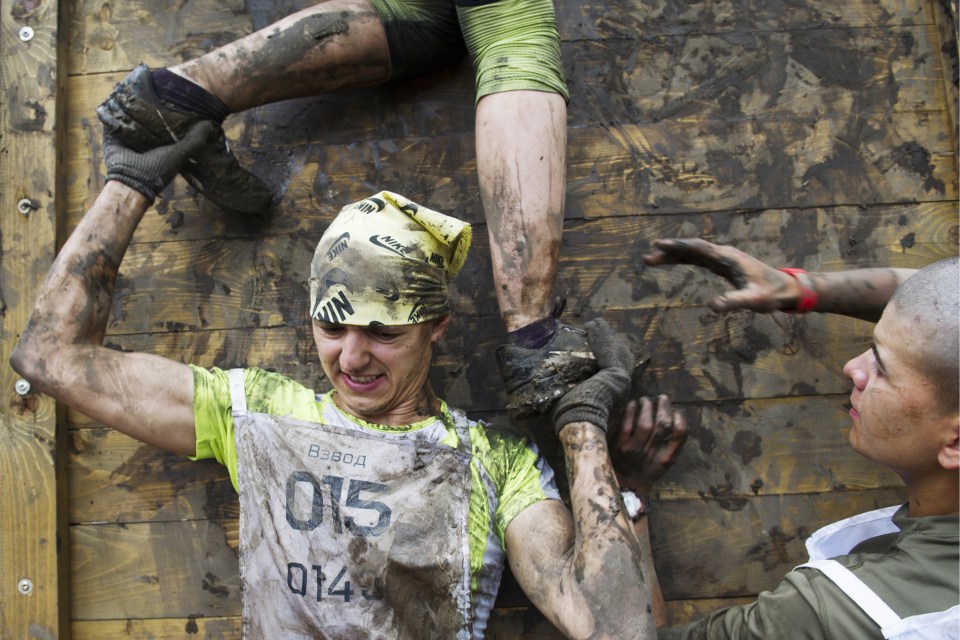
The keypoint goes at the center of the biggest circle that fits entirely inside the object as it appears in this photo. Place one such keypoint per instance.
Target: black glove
(595, 398)
(149, 172)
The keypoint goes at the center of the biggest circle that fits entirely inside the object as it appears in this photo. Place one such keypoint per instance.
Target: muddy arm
(859, 293)
(61, 350)
(650, 438)
(585, 570)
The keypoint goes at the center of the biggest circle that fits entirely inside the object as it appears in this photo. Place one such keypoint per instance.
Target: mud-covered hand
(648, 443)
(149, 172)
(759, 287)
(594, 399)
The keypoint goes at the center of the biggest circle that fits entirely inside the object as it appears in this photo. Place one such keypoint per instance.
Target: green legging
(514, 44)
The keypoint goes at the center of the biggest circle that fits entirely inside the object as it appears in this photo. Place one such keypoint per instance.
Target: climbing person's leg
(330, 46)
(521, 131)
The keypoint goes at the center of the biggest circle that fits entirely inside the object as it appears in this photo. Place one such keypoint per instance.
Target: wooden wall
(815, 133)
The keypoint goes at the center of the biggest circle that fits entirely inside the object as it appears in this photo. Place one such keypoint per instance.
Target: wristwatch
(637, 504)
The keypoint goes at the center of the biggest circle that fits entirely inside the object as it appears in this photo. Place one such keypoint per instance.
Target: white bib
(349, 534)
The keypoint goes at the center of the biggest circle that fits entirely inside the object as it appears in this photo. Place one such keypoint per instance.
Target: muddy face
(379, 374)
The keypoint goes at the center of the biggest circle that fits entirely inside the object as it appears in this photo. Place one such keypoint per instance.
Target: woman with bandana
(374, 510)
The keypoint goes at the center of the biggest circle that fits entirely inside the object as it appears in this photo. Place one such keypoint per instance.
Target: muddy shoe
(536, 378)
(142, 121)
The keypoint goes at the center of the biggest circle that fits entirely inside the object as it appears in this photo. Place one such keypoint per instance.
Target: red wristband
(808, 295)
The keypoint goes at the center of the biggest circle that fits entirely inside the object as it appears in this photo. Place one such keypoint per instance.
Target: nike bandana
(385, 261)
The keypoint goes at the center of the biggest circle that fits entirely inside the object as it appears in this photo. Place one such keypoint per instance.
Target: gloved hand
(595, 398)
(149, 172)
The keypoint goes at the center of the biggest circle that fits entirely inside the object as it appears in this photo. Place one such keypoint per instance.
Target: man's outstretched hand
(149, 172)
(759, 287)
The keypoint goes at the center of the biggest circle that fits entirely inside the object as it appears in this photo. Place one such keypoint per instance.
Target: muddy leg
(330, 46)
(521, 156)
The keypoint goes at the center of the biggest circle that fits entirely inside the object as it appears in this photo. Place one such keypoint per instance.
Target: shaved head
(931, 298)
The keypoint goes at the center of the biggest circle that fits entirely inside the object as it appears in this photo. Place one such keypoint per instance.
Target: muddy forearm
(860, 293)
(608, 567)
(642, 529)
(74, 302)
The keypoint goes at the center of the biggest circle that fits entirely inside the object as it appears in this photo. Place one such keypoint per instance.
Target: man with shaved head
(889, 573)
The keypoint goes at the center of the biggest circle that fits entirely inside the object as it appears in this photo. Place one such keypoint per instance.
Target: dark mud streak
(829, 55)
(913, 157)
(669, 354)
(718, 348)
(800, 237)
(725, 496)
(908, 241)
(774, 552)
(289, 46)
(755, 342)
(210, 583)
(30, 117)
(704, 437)
(747, 445)
(801, 388)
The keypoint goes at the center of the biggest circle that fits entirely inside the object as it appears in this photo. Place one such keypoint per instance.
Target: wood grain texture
(34, 601)
(816, 133)
(710, 547)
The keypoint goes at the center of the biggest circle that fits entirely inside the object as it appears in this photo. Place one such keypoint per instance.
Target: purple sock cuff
(188, 95)
(534, 335)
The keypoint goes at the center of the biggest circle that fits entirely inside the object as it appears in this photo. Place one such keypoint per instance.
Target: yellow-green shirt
(508, 474)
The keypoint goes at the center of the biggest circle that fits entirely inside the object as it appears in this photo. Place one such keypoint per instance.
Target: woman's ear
(440, 327)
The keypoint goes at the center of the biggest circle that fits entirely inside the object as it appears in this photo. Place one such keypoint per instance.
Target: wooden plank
(505, 624)
(719, 548)
(772, 447)
(170, 569)
(209, 628)
(810, 74)
(251, 281)
(512, 623)
(704, 548)
(114, 478)
(662, 168)
(706, 164)
(683, 611)
(116, 37)
(602, 20)
(736, 450)
(698, 355)
(945, 17)
(34, 602)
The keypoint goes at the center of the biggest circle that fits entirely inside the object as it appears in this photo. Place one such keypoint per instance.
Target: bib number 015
(304, 482)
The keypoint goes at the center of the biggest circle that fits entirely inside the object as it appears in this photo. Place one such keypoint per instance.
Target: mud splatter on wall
(818, 134)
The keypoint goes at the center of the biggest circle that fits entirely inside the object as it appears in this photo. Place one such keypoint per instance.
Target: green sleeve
(213, 419)
(266, 392)
(521, 475)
